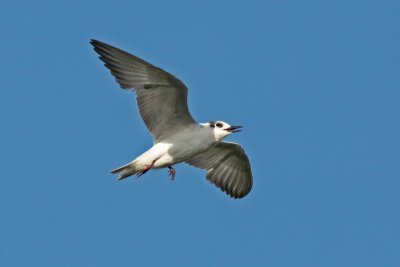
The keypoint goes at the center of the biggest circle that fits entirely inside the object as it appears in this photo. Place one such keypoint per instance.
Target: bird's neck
(209, 134)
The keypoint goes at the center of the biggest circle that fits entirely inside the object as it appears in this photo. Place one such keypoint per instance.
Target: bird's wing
(161, 97)
(228, 167)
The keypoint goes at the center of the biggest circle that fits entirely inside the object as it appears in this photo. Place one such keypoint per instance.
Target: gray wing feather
(228, 167)
(161, 97)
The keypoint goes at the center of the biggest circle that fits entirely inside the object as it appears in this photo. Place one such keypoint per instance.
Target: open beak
(234, 129)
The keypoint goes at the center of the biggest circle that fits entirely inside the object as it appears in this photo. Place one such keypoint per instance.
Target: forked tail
(126, 170)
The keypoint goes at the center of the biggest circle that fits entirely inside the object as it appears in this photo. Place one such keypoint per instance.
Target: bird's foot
(146, 169)
(171, 172)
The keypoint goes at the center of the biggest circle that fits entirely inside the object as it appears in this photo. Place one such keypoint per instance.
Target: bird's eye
(218, 124)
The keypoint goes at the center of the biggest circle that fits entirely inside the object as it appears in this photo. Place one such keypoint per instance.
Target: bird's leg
(146, 169)
(172, 172)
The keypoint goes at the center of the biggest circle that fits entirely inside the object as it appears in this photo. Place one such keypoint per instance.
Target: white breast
(190, 142)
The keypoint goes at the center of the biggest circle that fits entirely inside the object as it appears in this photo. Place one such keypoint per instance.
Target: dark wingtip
(97, 43)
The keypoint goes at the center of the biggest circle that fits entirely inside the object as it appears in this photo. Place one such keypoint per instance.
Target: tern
(177, 137)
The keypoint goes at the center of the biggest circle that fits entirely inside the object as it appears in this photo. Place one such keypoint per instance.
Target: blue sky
(315, 83)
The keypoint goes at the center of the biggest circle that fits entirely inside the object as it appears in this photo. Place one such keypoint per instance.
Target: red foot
(172, 173)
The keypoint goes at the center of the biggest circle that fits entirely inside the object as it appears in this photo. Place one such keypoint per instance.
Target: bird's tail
(126, 170)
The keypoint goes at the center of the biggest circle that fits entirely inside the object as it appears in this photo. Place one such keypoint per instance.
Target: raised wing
(228, 167)
(161, 97)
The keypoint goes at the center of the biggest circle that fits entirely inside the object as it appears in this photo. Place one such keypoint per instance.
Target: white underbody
(179, 147)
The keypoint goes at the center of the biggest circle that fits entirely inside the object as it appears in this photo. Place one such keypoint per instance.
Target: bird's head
(222, 129)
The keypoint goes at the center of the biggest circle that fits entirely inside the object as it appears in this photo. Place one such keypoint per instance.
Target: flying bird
(177, 137)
